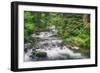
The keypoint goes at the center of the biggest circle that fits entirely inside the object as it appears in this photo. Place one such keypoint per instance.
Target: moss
(41, 54)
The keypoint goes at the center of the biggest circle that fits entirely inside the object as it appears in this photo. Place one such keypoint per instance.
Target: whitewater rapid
(51, 45)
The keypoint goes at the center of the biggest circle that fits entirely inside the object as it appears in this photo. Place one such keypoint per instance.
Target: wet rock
(33, 49)
(69, 46)
(41, 54)
(25, 50)
(37, 33)
(27, 45)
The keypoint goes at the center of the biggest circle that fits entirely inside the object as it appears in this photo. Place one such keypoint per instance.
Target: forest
(72, 28)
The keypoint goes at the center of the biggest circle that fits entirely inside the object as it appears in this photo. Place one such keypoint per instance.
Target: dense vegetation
(73, 28)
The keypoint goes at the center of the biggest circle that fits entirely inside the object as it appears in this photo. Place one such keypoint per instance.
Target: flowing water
(49, 48)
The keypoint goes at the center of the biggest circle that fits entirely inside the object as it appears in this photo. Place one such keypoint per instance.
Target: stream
(49, 47)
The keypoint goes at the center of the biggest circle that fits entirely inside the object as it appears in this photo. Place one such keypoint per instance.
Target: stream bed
(48, 46)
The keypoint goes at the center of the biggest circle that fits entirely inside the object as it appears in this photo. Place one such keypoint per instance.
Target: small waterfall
(50, 48)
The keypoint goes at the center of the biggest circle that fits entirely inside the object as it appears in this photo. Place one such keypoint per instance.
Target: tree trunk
(86, 19)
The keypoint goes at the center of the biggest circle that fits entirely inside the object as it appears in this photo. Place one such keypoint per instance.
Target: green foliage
(70, 26)
(29, 29)
(27, 17)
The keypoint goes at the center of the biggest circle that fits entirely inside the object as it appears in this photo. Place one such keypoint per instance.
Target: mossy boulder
(41, 54)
